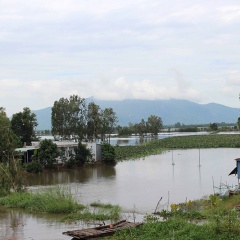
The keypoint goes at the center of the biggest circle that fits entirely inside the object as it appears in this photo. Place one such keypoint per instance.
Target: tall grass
(51, 200)
(59, 200)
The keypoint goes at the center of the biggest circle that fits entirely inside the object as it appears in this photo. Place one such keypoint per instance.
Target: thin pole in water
(172, 159)
(199, 159)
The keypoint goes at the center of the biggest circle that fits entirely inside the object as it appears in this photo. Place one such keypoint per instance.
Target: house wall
(69, 146)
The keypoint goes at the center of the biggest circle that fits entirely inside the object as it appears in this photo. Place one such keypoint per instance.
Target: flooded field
(135, 185)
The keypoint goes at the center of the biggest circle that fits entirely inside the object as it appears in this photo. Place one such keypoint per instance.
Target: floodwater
(135, 185)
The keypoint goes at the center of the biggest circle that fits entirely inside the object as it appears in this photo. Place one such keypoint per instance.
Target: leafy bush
(47, 153)
(81, 154)
(34, 167)
(108, 153)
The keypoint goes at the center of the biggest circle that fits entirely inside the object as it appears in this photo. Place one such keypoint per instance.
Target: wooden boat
(102, 231)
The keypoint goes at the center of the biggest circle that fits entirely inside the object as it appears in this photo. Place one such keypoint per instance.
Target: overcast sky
(128, 49)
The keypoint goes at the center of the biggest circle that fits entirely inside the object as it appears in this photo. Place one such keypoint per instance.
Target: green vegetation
(72, 118)
(34, 167)
(11, 177)
(82, 154)
(108, 153)
(23, 125)
(219, 220)
(152, 125)
(199, 141)
(180, 142)
(59, 200)
(51, 200)
(134, 152)
(47, 153)
(8, 140)
(98, 211)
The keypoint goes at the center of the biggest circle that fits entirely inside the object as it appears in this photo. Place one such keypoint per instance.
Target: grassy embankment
(180, 142)
(59, 200)
(198, 220)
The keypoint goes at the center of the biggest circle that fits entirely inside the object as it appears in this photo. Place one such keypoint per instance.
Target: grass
(51, 200)
(59, 200)
(220, 221)
(98, 211)
(173, 229)
(99, 214)
(102, 205)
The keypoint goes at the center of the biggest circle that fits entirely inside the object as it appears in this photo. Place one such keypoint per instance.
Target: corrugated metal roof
(25, 149)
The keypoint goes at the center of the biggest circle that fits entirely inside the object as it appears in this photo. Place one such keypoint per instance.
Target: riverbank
(204, 219)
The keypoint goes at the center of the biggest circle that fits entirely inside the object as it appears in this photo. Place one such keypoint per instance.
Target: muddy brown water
(135, 185)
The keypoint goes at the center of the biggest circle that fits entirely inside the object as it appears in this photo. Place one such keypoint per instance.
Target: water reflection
(134, 185)
(11, 223)
(81, 175)
(19, 225)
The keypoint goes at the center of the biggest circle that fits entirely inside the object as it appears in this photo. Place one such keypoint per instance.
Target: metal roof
(25, 149)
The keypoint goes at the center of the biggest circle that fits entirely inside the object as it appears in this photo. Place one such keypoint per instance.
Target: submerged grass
(134, 152)
(98, 211)
(94, 214)
(98, 204)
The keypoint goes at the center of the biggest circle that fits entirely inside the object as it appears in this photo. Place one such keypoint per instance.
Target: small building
(236, 170)
(67, 147)
(27, 153)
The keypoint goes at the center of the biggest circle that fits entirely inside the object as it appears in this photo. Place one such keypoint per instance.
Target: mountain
(171, 111)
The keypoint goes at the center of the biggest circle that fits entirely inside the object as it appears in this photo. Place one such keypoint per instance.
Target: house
(26, 153)
(67, 147)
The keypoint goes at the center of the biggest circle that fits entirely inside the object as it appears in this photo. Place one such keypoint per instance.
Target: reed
(51, 200)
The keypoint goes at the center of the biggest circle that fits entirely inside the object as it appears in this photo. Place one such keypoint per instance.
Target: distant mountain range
(171, 111)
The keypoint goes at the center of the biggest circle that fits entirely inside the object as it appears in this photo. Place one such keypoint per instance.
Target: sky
(121, 49)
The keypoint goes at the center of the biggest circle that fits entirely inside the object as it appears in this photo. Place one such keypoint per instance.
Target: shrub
(108, 153)
(48, 153)
(34, 167)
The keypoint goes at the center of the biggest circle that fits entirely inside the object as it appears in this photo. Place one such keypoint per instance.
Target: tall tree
(69, 117)
(154, 124)
(140, 128)
(108, 122)
(238, 122)
(24, 124)
(93, 121)
(8, 140)
(47, 153)
(3, 111)
(213, 126)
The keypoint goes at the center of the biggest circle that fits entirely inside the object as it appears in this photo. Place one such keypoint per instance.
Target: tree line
(72, 118)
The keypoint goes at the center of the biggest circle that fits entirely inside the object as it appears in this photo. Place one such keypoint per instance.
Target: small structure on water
(236, 171)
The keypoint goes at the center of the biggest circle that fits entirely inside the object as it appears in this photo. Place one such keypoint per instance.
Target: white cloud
(117, 50)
